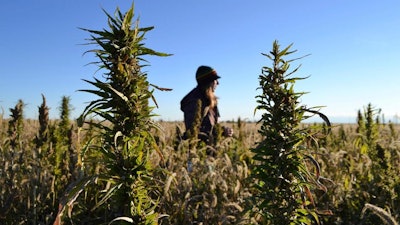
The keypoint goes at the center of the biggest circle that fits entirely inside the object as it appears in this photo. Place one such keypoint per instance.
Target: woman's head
(206, 75)
(207, 80)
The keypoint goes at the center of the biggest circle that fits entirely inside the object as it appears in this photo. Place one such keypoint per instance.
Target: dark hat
(206, 74)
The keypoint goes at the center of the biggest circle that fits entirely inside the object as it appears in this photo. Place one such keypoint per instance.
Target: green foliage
(65, 123)
(125, 141)
(193, 131)
(370, 184)
(393, 132)
(28, 186)
(62, 138)
(43, 133)
(282, 180)
(62, 153)
(16, 125)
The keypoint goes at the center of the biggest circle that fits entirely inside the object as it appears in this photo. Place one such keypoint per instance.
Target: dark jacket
(189, 108)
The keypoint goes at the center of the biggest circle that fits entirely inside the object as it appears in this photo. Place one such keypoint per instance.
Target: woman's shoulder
(193, 94)
(191, 98)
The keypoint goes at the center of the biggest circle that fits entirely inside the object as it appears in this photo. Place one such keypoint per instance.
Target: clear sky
(354, 49)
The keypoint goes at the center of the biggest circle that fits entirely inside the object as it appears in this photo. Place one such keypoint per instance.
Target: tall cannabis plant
(283, 177)
(43, 133)
(368, 129)
(61, 155)
(16, 124)
(125, 121)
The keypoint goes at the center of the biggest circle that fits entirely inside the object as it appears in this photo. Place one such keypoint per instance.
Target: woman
(203, 95)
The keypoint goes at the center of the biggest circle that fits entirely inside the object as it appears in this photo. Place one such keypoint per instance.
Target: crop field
(214, 191)
(116, 164)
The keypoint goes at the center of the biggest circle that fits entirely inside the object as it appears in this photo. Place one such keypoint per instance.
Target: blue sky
(354, 51)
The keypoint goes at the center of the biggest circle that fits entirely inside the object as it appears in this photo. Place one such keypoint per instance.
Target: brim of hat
(208, 80)
(216, 77)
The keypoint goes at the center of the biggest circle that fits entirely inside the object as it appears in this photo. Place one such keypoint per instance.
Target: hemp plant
(16, 124)
(125, 123)
(283, 170)
(43, 133)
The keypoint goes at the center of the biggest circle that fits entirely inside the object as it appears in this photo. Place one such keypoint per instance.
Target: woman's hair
(208, 91)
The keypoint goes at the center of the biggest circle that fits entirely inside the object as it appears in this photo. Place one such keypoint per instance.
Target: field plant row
(116, 164)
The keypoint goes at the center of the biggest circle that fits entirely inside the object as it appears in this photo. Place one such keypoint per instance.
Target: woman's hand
(228, 132)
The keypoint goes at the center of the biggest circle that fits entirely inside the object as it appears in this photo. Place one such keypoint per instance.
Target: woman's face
(215, 84)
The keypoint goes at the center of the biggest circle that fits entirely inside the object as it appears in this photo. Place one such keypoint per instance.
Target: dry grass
(216, 189)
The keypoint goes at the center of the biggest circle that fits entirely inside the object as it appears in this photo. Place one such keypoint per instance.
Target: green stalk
(125, 123)
(282, 181)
